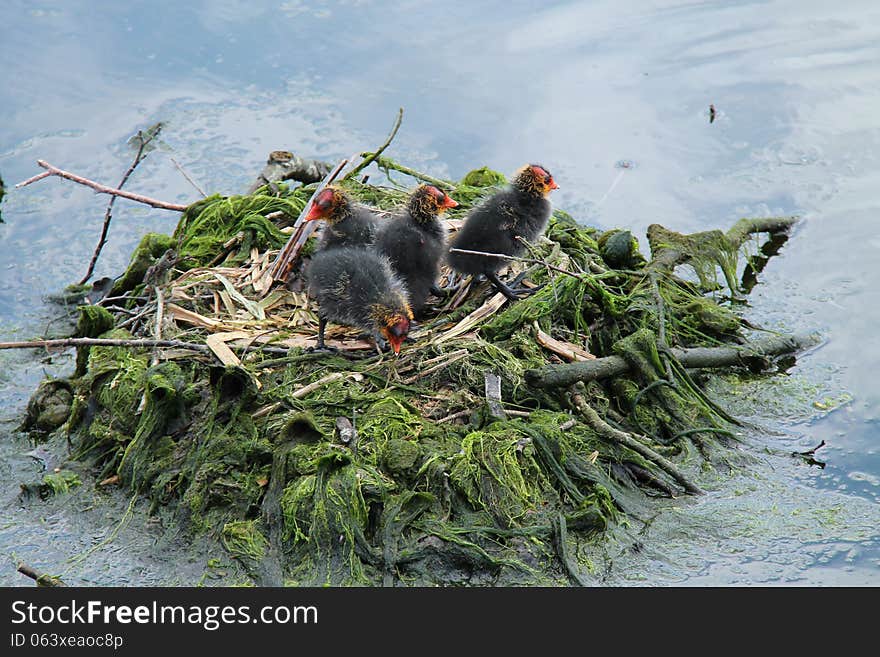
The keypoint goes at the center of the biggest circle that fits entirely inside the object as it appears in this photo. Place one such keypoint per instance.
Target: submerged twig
(188, 179)
(52, 170)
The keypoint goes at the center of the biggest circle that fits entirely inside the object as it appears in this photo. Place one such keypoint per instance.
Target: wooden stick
(133, 344)
(563, 375)
(388, 163)
(454, 358)
(454, 416)
(40, 578)
(369, 158)
(302, 229)
(52, 170)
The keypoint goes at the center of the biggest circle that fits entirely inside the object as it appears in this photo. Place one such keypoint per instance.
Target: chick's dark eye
(548, 178)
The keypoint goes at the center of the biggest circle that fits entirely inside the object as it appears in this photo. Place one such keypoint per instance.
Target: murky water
(578, 86)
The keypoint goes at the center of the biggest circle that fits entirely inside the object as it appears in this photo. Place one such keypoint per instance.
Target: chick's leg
(506, 290)
(320, 346)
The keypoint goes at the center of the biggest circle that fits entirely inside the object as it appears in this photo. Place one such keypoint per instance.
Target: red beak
(395, 342)
(314, 213)
(553, 184)
(448, 202)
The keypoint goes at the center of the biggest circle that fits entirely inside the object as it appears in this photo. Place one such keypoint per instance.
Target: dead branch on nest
(143, 139)
(565, 374)
(133, 344)
(608, 432)
(52, 170)
(284, 165)
(302, 229)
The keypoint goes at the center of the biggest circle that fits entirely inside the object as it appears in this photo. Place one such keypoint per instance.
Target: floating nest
(462, 461)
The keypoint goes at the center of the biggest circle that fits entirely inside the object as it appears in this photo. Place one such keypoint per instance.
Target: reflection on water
(578, 86)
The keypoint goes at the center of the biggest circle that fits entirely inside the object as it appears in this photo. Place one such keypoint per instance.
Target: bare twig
(503, 256)
(385, 164)
(133, 344)
(454, 358)
(52, 170)
(143, 141)
(188, 179)
(454, 416)
(369, 158)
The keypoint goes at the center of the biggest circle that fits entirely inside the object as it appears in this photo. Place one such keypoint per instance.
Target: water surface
(580, 87)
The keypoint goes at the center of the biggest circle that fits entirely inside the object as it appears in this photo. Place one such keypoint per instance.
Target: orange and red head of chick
(395, 328)
(330, 205)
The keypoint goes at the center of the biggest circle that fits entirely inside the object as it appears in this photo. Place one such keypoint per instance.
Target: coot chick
(414, 242)
(355, 286)
(520, 210)
(347, 222)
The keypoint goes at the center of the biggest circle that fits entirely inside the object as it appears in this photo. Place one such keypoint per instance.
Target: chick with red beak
(355, 286)
(500, 223)
(347, 222)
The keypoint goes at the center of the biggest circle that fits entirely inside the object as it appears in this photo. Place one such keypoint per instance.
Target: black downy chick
(355, 286)
(347, 222)
(520, 210)
(415, 242)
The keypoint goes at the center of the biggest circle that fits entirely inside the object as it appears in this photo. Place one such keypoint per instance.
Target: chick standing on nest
(414, 242)
(355, 286)
(521, 210)
(347, 223)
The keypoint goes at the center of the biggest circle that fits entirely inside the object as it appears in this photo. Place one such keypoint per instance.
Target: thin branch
(369, 158)
(533, 261)
(52, 170)
(133, 344)
(386, 163)
(139, 156)
(188, 179)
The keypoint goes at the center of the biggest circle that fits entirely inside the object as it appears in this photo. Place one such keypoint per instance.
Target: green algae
(60, 483)
(152, 247)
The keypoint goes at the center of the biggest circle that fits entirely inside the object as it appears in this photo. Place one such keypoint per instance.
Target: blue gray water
(578, 86)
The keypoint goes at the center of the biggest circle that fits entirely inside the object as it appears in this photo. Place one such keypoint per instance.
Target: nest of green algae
(252, 441)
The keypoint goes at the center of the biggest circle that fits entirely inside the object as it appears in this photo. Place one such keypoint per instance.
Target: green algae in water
(60, 483)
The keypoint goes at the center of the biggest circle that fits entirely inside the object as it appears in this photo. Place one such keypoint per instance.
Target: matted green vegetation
(440, 485)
